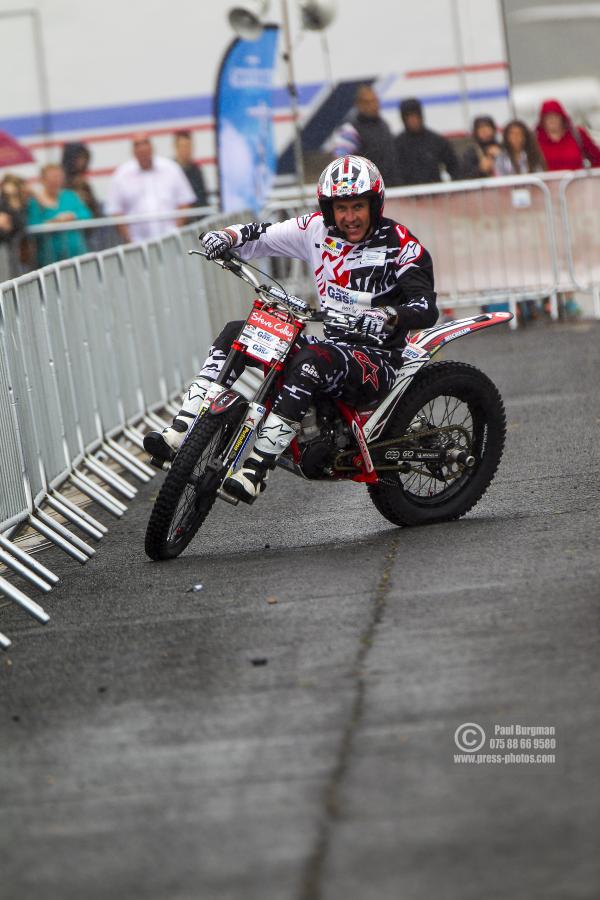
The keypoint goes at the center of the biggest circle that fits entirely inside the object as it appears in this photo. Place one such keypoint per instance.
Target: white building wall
(108, 65)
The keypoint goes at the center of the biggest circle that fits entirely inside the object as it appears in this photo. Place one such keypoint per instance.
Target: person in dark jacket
(76, 162)
(564, 145)
(420, 152)
(479, 159)
(184, 155)
(367, 134)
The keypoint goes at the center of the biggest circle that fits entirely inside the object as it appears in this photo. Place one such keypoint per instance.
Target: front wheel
(450, 405)
(190, 488)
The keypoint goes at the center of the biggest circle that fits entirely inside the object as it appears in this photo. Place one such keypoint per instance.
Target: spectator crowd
(418, 155)
(149, 187)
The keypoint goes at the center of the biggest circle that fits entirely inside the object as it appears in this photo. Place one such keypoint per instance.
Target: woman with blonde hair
(54, 204)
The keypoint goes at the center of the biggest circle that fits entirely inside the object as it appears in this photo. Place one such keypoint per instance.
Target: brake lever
(228, 257)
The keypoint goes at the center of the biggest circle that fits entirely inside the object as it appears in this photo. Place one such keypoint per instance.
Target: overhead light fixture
(317, 14)
(246, 19)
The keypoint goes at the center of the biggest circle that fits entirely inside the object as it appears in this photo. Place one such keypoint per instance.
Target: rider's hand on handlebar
(216, 243)
(371, 323)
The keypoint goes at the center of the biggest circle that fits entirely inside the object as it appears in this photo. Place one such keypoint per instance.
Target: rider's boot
(163, 445)
(274, 436)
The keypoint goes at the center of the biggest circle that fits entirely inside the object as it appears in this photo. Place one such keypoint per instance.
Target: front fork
(215, 402)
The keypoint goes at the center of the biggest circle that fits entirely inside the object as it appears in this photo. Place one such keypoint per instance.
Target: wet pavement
(287, 732)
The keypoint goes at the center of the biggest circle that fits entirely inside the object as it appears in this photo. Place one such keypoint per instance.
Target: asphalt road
(162, 743)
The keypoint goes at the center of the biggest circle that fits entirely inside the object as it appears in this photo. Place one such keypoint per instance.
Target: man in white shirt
(146, 185)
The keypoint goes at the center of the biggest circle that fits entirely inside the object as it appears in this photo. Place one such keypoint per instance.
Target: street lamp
(247, 20)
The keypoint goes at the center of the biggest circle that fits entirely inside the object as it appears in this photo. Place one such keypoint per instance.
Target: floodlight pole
(460, 63)
(293, 92)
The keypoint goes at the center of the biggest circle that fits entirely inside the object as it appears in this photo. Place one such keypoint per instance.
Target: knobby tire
(209, 433)
(393, 496)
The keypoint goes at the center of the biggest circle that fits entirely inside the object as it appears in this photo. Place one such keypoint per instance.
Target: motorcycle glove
(216, 243)
(371, 323)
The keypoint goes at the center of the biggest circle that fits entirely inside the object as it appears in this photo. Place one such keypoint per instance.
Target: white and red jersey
(390, 268)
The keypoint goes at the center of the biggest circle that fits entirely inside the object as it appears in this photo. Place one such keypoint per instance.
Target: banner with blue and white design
(243, 115)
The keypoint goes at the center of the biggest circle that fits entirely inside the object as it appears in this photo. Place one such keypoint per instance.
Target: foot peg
(163, 464)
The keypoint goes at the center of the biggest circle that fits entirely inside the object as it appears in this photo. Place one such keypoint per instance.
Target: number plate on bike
(267, 337)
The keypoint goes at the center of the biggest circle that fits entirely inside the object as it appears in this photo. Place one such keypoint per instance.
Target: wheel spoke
(188, 511)
(446, 418)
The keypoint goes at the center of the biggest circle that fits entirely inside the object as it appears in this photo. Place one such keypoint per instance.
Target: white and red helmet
(351, 176)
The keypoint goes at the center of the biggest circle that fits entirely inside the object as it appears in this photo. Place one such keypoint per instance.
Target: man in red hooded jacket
(564, 145)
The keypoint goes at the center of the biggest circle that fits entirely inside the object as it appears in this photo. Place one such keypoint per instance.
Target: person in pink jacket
(564, 145)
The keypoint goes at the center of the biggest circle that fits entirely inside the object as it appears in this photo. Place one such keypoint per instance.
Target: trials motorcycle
(427, 451)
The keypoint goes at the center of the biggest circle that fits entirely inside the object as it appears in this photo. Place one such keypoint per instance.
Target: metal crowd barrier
(496, 240)
(91, 349)
(580, 207)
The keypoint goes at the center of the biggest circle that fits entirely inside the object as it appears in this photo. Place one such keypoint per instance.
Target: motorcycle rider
(364, 265)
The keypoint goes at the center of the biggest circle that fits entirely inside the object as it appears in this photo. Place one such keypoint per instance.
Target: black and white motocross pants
(355, 373)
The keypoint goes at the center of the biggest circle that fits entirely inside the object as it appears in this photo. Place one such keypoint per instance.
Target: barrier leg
(28, 560)
(97, 493)
(155, 421)
(134, 436)
(64, 532)
(60, 542)
(512, 305)
(28, 574)
(79, 511)
(130, 462)
(554, 313)
(74, 518)
(4, 642)
(111, 478)
(30, 606)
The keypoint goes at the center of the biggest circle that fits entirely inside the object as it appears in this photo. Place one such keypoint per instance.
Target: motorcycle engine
(321, 438)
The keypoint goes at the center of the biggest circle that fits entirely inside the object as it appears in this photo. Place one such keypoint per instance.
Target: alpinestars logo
(369, 368)
(195, 392)
(274, 434)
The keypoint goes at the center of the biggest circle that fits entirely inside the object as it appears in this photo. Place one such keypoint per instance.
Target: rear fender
(433, 339)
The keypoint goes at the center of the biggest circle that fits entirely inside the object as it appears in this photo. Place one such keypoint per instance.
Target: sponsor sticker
(373, 257)
(332, 246)
(459, 333)
(413, 352)
(344, 300)
(262, 352)
(267, 337)
(265, 322)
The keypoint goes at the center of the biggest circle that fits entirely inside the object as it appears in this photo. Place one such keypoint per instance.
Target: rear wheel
(190, 488)
(450, 405)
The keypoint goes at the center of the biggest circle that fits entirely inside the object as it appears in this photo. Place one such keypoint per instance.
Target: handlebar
(230, 262)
